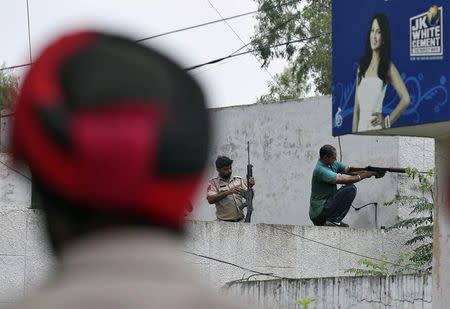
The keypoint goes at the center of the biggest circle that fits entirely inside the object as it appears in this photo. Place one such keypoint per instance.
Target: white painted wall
(25, 259)
(284, 250)
(5, 122)
(407, 291)
(441, 243)
(285, 139)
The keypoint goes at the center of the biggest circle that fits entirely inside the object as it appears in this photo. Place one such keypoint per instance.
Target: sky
(235, 81)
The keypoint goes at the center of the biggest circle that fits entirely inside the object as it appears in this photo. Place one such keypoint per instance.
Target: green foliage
(305, 302)
(421, 256)
(280, 21)
(9, 85)
(422, 221)
(371, 268)
(384, 267)
(284, 88)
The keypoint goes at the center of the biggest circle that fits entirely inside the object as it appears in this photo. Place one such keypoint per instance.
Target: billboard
(390, 64)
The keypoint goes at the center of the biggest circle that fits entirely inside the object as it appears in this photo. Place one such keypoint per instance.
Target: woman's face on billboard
(375, 35)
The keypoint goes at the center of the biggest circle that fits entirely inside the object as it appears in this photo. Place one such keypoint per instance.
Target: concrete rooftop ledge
(221, 252)
(289, 251)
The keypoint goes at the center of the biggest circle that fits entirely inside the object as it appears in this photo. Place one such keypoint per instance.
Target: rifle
(248, 195)
(381, 170)
(385, 169)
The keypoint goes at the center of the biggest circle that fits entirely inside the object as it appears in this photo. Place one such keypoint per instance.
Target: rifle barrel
(397, 170)
(386, 169)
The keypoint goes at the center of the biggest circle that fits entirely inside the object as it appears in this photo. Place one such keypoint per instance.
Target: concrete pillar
(441, 241)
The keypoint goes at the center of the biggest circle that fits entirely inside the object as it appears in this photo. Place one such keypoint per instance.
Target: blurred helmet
(110, 124)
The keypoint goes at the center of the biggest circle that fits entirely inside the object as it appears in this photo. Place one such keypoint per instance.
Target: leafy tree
(421, 222)
(309, 62)
(9, 85)
(283, 88)
(403, 264)
(421, 256)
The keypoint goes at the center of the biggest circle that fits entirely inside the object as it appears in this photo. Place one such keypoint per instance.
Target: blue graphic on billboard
(390, 64)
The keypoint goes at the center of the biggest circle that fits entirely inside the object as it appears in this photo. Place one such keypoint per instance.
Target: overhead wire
(195, 26)
(239, 37)
(222, 19)
(275, 28)
(250, 51)
(169, 32)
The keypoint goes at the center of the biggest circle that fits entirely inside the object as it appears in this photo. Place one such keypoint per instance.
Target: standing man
(101, 121)
(328, 205)
(226, 191)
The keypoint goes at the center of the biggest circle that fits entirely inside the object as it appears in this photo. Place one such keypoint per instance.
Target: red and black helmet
(114, 125)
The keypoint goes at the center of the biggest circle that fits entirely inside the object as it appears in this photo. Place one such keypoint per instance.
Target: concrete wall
(24, 254)
(441, 244)
(283, 250)
(25, 260)
(219, 252)
(15, 189)
(5, 123)
(285, 139)
(419, 153)
(407, 291)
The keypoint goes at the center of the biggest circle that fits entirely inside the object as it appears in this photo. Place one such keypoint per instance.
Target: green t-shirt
(323, 185)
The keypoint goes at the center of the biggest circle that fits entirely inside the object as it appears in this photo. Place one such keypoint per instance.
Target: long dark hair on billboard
(384, 50)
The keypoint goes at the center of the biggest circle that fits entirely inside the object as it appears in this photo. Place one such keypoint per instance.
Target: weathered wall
(15, 189)
(281, 250)
(441, 244)
(284, 250)
(285, 139)
(24, 256)
(407, 291)
(418, 153)
(5, 123)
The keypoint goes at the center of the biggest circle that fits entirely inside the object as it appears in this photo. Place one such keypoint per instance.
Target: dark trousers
(337, 206)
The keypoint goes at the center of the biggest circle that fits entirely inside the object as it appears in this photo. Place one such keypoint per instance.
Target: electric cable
(239, 37)
(346, 251)
(250, 51)
(14, 170)
(165, 33)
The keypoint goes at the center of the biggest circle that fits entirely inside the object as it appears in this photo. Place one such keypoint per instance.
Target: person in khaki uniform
(102, 122)
(225, 191)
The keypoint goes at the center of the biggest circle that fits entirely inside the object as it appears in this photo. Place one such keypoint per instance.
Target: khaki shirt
(228, 207)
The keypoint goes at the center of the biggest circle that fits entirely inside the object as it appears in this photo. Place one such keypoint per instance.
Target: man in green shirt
(328, 205)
